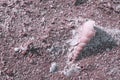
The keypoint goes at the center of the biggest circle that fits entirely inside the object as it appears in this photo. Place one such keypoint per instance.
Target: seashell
(88, 32)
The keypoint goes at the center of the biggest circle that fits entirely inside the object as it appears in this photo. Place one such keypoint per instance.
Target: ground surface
(44, 27)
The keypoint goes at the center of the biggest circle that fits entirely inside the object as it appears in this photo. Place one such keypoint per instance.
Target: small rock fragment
(23, 48)
(107, 49)
(69, 71)
(53, 67)
(31, 61)
(118, 8)
(16, 49)
(78, 2)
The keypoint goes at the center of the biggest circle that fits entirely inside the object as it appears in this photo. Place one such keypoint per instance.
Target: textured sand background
(34, 34)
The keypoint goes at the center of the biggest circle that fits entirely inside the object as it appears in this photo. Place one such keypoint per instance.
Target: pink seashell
(88, 32)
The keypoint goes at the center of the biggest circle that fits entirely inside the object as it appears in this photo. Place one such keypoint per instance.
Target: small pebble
(53, 67)
(31, 61)
(23, 48)
(71, 70)
(16, 49)
(107, 49)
